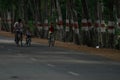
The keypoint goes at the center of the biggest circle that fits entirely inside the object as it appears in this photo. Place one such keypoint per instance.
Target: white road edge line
(19, 54)
(33, 59)
(73, 73)
(50, 65)
(9, 49)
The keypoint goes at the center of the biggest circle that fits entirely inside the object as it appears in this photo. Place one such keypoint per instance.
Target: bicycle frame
(28, 41)
(51, 40)
(18, 38)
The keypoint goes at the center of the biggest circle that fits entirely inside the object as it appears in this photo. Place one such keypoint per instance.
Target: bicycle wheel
(28, 42)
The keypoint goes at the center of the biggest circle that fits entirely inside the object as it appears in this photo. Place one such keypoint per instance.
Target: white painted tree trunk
(0, 24)
(103, 28)
(60, 22)
(76, 27)
(67, 29)
(72, 24)
(59, 14)
(119, 23)
(84, 25)
(57, 25)
(9, 20)
(39, 26)
(89, 23)
(97, 26)
(111, 27)
(46, 25)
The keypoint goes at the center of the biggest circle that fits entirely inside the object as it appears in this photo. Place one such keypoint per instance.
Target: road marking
(55, 52)
(19, 54)
(79, 61)
(73, 73)
(9, 49)
(2, 46)
(33, 59)
(51, 65)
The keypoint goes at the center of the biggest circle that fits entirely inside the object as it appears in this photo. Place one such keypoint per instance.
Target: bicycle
(51, 40)
(28, 41)
(18, 38)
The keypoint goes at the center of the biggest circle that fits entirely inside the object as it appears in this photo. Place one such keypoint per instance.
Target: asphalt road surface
(40, 62)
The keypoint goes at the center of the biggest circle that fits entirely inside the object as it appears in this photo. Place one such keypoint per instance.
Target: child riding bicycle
(28, 37)
(51, 38)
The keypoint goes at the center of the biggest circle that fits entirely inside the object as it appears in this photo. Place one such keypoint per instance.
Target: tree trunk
(111, 27)
(117, 16)
(86, 39)
(60, 21)
(76, 32)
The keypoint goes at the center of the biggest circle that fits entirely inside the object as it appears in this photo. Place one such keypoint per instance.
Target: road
(40, 62)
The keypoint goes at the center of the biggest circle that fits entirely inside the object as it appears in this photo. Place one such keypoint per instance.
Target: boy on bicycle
(18, 29)
(28, 37)
(51, 38)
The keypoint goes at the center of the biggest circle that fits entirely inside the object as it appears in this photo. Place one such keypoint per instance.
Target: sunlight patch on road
(6, 41)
